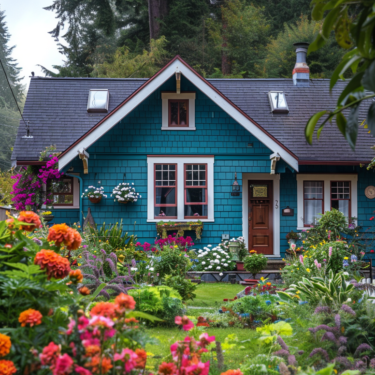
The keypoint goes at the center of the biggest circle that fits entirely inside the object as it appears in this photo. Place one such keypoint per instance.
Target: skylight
(278, 102)
(98, 100)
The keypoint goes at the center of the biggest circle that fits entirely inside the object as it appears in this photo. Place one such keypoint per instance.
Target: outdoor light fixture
(235, 187)
(178, 81)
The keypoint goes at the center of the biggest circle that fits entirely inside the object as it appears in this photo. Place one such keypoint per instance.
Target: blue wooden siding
(121, 156)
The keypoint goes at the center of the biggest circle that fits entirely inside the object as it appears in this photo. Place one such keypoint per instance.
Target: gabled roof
(56, 109)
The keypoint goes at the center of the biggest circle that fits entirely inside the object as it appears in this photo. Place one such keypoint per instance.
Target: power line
(10, 87)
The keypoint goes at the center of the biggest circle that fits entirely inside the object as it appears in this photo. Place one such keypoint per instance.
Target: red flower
(106, 309)
(186, 323)
(50, 354)
(56, 266)
(232, 372)
(372, 218)
(167, 369)
(64, 365)
(371, 251)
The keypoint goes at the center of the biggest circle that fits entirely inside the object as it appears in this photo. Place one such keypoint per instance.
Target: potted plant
(47, 216)
(124, 193)
(255, 262)
(292, 237)
(94, 194)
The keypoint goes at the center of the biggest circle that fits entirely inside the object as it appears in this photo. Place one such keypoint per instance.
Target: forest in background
(135, 38)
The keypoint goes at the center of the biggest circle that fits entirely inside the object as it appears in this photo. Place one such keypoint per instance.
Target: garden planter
(48, 218)
(233, 249)
(95, 200)
(239, 266)
(251, 281)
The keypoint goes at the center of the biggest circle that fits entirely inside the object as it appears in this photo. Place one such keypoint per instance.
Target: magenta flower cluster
(182, 242)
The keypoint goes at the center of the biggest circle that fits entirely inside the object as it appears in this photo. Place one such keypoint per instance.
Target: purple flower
(322, 352)
(348, 310)
(322, 309)
(85, 246)
(361, 348)
(338, 321)
(94, 256)
(330, 251)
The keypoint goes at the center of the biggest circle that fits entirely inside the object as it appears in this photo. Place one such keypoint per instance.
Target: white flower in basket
(124, 193)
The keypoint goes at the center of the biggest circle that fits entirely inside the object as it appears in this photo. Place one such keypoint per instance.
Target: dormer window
(178, 113)
(98, 100)
(278, 102)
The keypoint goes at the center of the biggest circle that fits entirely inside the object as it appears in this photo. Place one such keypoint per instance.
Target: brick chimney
(301, 71)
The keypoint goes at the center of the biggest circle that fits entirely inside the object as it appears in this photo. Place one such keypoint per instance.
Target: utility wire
(11, 90)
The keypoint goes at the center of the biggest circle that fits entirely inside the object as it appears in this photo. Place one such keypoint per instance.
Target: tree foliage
(353, 24)
(281, 55)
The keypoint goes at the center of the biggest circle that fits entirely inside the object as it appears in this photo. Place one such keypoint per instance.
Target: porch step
(275, 264)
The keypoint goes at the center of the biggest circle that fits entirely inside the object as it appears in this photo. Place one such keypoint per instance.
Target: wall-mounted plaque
(370, 192)
(287, 211)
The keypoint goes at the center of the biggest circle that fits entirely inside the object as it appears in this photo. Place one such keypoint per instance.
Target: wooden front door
(261, 216)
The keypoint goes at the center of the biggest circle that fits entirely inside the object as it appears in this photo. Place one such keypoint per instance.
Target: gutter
(80, 196)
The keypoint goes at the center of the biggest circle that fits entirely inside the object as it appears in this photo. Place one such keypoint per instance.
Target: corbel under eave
(275, 157)
(84, 156)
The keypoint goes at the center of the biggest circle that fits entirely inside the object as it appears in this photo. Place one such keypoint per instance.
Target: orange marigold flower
(232, 372)
(92, 350)
(55, 265)
(31, 317)
(76, 276)
(85, 291)
(5, 345)
(167, 368)
(62, 234)
(106, 309)
(10, 223)
(252, 251)
(124, 302)
(95, 363)
(142, 358)
(7, 367)
(29, 217)
(131, 320)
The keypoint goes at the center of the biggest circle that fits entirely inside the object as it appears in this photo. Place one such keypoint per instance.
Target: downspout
(80, 197)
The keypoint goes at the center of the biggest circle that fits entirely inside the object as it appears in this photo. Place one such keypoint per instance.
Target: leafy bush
(171, 262)
(184, 286)
(215, 259)
(255, 262)
(255, 306)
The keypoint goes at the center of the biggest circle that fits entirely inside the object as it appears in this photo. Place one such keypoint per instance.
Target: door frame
(246, 177)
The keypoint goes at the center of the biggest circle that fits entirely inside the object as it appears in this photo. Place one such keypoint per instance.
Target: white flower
(209, 266)
(218, 267)
(220, 274)
(133, 269)
(152, 268)
(209, 245)
(132, 183)
(203, 262)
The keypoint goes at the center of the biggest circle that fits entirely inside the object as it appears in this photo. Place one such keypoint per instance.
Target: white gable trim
(153, 85)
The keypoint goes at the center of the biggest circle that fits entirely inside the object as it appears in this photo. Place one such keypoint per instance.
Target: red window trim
(350, 196)
(187, 113)
(196, 187)
(70, 193)
(311, 199)
(161, 204)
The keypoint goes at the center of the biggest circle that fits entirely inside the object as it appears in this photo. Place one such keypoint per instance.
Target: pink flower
(293, 246)
(71, 325)
(205, 340)
(82, 371)
(64, 365)
(186, 323)
(301, 258)
(330, 251)
(318, 265)
(199, 369)
(128, 357)
(82, 323)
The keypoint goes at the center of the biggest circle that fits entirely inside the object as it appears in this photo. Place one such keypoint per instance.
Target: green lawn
(212, 294)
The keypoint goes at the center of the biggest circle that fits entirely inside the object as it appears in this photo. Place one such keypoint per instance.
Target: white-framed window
(180, 188)
(178, 111)
(319, 193)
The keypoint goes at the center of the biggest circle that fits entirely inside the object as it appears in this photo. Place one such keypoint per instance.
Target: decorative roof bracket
(275, 157)
(84, 156)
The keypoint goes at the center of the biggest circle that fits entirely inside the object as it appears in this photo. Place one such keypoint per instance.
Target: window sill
(65, 208)
(304, 228)
(181, 220)
(179, 128)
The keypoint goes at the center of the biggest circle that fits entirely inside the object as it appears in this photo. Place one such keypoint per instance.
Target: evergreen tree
(11, 67)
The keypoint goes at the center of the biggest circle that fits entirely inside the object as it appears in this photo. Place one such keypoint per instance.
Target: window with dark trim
(165, 191)
(313, 201)
(195, 191)
(340, 197)
(178, 113)
(62, 192)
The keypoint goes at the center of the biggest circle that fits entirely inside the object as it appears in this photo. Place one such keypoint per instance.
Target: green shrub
(184, 286)
(255, 263)
(172, 262)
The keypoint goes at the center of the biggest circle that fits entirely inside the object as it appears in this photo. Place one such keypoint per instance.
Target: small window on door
(313, 201)
(62, 192)
(195, 191)
(165, 191)
(340, 197)
(178, 113)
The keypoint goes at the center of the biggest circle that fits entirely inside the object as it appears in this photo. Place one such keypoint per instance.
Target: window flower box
(163, 227)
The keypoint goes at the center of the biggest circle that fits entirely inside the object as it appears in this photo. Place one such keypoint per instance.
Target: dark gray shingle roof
(56, 109)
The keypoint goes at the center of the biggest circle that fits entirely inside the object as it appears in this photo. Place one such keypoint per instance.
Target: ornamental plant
(255, 262)
(215, 259)
(93, 192)
(124, 192)
(242, 251)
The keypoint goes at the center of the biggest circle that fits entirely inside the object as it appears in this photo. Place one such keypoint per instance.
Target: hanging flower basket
(124, 193)
(48, 218)
(95, 200)
(124, 202)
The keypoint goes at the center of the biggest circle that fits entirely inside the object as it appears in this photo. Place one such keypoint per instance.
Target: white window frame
(165, 97)
(180, 161)
(353, 178)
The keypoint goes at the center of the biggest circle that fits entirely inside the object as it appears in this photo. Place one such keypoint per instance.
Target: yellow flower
(297, 291)
(79, 264)
(308, 269)
(262, 278)
(297, 296)
(346, 258)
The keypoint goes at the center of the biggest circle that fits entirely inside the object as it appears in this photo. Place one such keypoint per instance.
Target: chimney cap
(301, 45)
